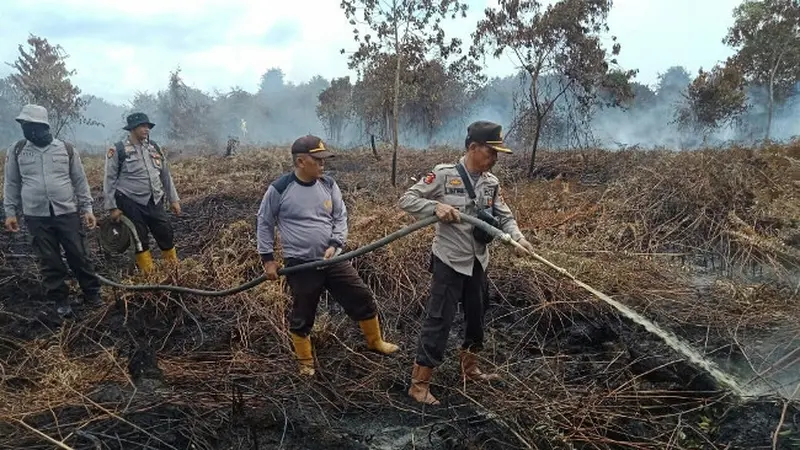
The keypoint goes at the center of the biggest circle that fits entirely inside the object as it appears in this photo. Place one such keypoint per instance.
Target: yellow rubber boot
(302, 348)
(145, 261)
(372, 331)
(170, 256)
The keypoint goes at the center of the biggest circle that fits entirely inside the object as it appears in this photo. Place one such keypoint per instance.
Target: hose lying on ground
(283, 271)
(670, 339)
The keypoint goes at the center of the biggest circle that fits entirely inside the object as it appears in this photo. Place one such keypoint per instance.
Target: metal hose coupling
(498, 234)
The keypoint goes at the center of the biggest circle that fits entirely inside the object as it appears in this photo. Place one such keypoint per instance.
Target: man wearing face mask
(460, 254)
(45, 183)
(311, 217)
(137, 182)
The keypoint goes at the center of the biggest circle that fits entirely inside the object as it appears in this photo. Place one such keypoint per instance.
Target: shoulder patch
(283, 182)
(110, 153)
(429, 178)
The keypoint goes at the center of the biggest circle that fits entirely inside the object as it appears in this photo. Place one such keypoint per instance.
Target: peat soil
(183, 391)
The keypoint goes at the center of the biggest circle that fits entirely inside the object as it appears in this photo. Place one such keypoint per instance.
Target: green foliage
(766, 37)
(714, 99)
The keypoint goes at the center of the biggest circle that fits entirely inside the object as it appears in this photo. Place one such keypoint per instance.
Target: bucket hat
(33, 114)
(136, 119)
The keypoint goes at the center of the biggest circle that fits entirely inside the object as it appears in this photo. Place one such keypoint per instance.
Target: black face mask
(37, 133)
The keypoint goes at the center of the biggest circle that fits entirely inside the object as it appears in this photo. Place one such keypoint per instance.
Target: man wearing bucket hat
(311, 217)
(137, 182)
(459, 252)
(45, 183)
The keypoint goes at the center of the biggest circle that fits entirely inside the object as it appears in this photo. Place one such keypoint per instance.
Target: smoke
(280, 111)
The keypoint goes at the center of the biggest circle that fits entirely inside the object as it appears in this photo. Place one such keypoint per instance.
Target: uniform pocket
(28, 165)
(132, 162)
(456, 201)
(445, 293)
(60, 164)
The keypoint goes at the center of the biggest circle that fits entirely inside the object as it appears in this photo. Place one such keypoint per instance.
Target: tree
(558, 48)
(713, 99)
(766, 37)
(187, 112)
(436, 96)
(10, 105)
(335, 107)
(42, 78)
(401, 27)
(271, 81)
(672, 83)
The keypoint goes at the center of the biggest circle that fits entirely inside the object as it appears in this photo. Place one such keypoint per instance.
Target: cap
(33, 114)
(489, 133)
(311, 145)
(136, 119)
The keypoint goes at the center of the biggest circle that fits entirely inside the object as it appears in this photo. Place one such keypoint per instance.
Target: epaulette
(444, 166)
(491, 175)
(283, 182)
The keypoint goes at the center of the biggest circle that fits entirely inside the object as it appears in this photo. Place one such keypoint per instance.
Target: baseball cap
(489, 133)
(311, 145)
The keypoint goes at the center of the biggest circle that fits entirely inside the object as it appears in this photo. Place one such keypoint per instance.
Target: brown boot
(420, 385)
(470, 370)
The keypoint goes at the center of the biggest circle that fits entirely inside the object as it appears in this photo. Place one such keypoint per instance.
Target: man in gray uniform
(460, 253)
(45, 182)
(136, 183)
(311, 217)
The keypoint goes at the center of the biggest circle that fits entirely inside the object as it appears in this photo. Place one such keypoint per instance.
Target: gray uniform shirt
(454, 243)
(144, 173)
(43, 177)
(310, 218)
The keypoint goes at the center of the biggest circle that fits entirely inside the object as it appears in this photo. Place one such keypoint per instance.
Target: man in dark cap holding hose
(460, 255)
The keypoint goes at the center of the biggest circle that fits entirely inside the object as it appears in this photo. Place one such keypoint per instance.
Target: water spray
(669, 338)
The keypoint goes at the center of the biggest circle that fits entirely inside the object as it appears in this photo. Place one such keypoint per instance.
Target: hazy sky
(119, 48)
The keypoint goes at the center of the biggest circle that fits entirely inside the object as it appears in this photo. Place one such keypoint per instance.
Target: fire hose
(669, 338)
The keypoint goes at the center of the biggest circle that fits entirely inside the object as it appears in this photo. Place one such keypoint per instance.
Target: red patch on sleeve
(429, 178)
(110, 153)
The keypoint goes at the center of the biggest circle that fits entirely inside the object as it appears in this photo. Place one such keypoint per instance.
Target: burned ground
(156, 370)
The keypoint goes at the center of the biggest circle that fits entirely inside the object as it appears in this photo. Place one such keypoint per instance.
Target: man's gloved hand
(528, 246)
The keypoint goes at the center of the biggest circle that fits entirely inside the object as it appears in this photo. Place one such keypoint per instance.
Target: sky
(120, 48)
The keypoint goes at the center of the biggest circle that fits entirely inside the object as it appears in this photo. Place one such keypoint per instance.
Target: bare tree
(42, 78)
(558, 48)
(401, 27)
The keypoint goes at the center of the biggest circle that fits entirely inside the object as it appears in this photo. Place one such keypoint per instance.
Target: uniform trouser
(344, 284)
(148, 218)
(448, 289)
(49, 234)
